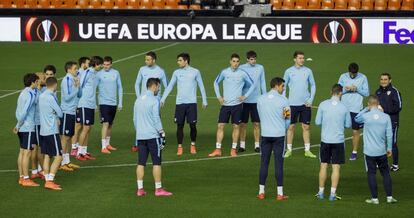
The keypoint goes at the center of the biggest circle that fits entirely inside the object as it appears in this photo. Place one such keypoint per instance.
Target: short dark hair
(83, 60)
(353, 68)
(153, 81)
(277, 81)
(108, 59)
(386, 74)
(95, 61)
(184, 56)
(251, 54)
(51, 81)
(151, 54)
(373, 99)
(336, 89)
(69, 65)
(29, 78)
(49, 68)
(298, 53)
(234, 55)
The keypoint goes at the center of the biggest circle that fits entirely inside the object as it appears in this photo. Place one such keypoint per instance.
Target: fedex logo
(401, 35)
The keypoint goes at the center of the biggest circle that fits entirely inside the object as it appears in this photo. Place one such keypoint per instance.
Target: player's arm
(137, 83)
(22, 109)
(155, 116)
(360, 116)
(286, 78)
(82, 81)
(363, 89)
(55, 106)
(348, 120)
(120, 90)
(134, 117)
(217, 81)
(341, 82)
(312, 84)
(319, 115)
(169, 88)
(69, 90)
(249, 80)
(202, 89)
(396, 102)
(263, 82)
(389, 134)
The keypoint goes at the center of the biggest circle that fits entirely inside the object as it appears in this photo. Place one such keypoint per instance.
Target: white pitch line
(178, 161)
(117, 61)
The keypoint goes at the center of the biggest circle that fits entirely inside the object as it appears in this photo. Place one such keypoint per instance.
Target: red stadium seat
(82, 4)
(380, 5)
(276, 4)
(407, 5)
(288, 4)
(95, 4)
(327, 4)
(43, 4)
(5, 3)
(120, 4)
(132, 4)
(341, 4)
(394, 5)
(108, 4)
(367, 5)
(145, 4)
(301, 4)
(314, 4)
(354, 5)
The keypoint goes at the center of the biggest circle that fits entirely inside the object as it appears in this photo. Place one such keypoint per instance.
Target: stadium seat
(95, 4)
(367, 5)
(380, 5)
(301, 4)
(276, 4)
(145, 4)
(341, 4)
(394, 5)
(5, 3)
(288, 4)
(30, 4)
(182, 7)
(18, 3)
(195, 7)
(108, 4)
(158, 4)
(407, 5)
(354, 5)
(171, 4)
(327, 4)
(43, 4)
(132, 4)
(82, 4)
(120, 4)
(314, 4)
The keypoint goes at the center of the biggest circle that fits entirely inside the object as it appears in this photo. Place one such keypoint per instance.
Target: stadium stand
(377, 5)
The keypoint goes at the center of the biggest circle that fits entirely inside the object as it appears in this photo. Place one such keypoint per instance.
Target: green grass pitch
(202, 188)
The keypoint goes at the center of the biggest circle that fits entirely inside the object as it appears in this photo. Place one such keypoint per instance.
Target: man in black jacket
(391, 102)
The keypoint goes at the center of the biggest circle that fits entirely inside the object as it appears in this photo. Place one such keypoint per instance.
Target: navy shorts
(37, 135)
(27, 140)
(332, 153)
(355, 125)
(183, 111)
(51, 145)
(234, 112)
(149, 147)
(302, 113)
(107, 113)
(67, 125)
(85, 116)
(250, 109)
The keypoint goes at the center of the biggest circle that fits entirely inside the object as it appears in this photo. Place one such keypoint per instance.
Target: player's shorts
(355, 125)
(107, 113)
(250, 109)
(332, 153)
(234, 112)
(183, 111)
(27, 140)
(51, 145)
(37, 135)
(302, 113)
(149, 147)
(67, 125)
(85, 116)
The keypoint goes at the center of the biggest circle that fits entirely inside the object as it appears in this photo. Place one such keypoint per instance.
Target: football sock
(289, 147)
(280, 190)
(140, 184)
(256, 144)
(333, 191)
(307, 147)
(158, 185)
(108, 140)
(242, 144)
(321, 189)
(234, 145)
(261, 189)
(103, 143)
(218, 145)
